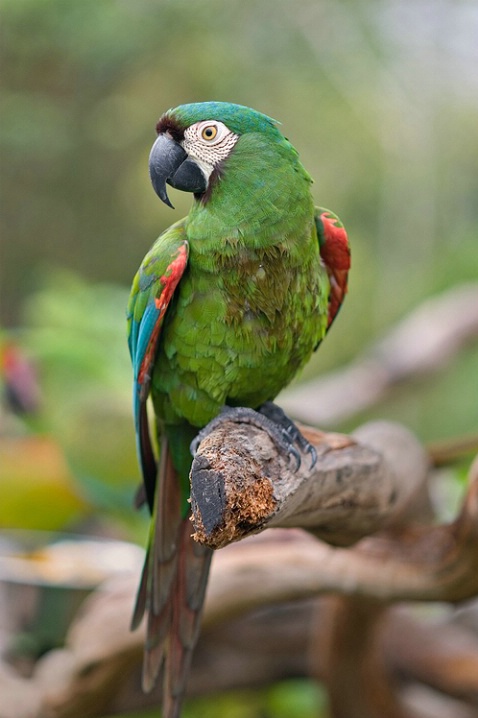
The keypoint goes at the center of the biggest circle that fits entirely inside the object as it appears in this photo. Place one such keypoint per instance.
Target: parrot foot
(280, 418)
(272, 420)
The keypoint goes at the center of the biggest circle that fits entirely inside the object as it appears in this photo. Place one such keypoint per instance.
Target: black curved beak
(169, 162)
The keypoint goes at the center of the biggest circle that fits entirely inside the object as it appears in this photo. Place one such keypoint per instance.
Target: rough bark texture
(358, 485)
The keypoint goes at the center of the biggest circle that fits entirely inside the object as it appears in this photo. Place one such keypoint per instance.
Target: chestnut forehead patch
(171, 126)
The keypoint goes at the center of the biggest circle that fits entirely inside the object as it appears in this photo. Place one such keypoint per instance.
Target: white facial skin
(208, 143)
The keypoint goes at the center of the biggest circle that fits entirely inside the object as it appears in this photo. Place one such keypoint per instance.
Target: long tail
(171, 591)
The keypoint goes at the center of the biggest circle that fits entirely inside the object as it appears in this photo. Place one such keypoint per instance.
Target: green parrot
(226, 308)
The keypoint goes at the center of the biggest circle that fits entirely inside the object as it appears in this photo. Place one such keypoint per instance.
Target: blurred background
(380, 99)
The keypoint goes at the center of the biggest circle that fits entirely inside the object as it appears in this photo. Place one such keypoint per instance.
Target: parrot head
(195, 139)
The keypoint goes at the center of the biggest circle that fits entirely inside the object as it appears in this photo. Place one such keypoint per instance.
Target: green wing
(153, 288)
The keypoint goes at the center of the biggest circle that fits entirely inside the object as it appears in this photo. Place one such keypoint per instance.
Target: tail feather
(166, 532)
(168, 506)
(171, 591)
(191, 581)
(157, 632)
(141, 596)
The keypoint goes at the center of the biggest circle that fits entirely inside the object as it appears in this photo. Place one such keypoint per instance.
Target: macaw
(226, 308)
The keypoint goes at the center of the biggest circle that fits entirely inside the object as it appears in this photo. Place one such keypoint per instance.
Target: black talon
(313, 453)
(293, 452)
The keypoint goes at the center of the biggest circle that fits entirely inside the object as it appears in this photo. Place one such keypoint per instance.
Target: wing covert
(153, 288)
(335, 253)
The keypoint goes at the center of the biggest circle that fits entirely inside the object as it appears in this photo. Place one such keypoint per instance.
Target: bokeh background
(381, 100)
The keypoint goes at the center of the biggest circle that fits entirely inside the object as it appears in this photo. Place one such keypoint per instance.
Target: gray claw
(313, 455)
(293, 452)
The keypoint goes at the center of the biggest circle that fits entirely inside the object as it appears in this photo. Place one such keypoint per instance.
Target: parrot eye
(208, 142)
(209, 132)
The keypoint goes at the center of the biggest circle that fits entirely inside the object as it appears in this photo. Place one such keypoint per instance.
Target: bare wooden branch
(447, 451)
(423, 342)
(380, 472)
(417, 562)
(356, 675)
(405, 561)
(438, 655)
(98, 672)
(241, 483)
(371, 653)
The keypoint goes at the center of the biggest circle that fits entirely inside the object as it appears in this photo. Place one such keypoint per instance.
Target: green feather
(238, 118)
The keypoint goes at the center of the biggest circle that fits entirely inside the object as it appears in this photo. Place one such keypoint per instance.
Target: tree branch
(241, 484)
(393, 555)
(417, 562)
(385, 482)
(98, 671)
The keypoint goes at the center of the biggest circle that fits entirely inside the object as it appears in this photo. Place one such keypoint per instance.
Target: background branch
(426, 340)
(264, 618)
(98, 671)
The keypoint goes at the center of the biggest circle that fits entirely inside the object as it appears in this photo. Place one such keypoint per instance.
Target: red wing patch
(335, 253)
(169, 281)
(171, 277)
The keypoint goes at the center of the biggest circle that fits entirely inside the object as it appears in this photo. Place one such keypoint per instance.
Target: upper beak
(168, 162)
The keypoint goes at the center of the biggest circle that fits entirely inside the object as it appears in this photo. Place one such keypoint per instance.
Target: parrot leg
(272, 420)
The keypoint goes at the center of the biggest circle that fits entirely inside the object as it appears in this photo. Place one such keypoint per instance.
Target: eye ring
(209, 133)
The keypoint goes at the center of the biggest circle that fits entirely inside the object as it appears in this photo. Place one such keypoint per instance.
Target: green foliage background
(380, 98)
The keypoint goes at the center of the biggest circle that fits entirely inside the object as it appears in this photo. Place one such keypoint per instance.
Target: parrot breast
(238, 334)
